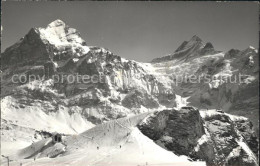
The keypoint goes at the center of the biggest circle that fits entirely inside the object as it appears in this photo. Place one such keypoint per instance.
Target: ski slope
(116, 143)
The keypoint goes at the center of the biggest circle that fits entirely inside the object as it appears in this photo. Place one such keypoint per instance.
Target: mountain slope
(227, 81)
(122, 144)
(54, 82)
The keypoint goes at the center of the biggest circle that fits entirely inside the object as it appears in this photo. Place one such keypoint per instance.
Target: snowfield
(99, 121)
(116, 143)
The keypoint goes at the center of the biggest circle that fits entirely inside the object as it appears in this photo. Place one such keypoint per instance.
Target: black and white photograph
(129, 83)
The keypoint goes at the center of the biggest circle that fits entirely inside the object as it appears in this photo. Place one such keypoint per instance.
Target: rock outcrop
(77, 86)
(178, 131)
(214, 137)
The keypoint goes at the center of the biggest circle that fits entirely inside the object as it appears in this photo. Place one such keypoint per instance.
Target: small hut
(56, 137)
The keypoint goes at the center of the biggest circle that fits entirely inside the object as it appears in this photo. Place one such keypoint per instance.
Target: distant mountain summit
(41, 44)
(195, 40)
(59, 34)
(76, 87)
(188, 49)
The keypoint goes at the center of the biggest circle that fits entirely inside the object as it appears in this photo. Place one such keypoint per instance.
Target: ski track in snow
(116, 148)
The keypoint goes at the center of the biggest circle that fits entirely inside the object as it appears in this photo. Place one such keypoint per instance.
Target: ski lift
(56, 137)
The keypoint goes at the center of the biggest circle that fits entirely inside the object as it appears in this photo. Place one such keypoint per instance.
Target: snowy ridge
(98, 121)
(213, 112)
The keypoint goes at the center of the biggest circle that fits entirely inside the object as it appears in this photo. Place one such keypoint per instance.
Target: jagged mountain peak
(209, 46)
(74, 103)
(232, 53)
(56, 23)
(194, 47)
(58, 33)
(45, 43)
(251, 48)
(196, 38)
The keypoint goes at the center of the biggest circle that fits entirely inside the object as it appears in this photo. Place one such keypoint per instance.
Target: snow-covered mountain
(189, 49)
(53, 81)
(223, 80)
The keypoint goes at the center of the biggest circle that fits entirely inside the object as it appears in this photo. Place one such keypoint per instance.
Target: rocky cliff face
(215, 137)
(175, 130)
(59, 50)
(53, 74)
(214, 79)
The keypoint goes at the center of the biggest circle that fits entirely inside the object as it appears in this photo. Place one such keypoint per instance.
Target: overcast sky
(139, 30)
